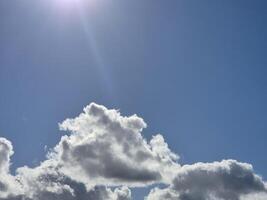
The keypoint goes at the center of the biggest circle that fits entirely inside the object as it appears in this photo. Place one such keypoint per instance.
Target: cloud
(107, 147)
(104, 154)
(255, 196)
(225, 180)
(103, 149)
(7, 181)
(6, 150)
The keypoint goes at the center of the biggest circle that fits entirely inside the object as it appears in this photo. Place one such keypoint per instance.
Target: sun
(66, 5)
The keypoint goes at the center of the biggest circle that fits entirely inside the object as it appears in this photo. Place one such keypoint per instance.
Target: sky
(194, 71)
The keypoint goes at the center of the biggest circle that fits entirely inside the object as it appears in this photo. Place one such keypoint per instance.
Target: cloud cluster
(105, 154)
(46, 182)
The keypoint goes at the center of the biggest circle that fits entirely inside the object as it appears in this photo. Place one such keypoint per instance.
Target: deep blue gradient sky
(194, 70)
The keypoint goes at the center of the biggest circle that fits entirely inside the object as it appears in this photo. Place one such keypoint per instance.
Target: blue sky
(194, 70)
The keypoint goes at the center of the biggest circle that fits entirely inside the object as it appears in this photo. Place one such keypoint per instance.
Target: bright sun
(72, 4)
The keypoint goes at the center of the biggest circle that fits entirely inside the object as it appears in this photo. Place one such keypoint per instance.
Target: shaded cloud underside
(105, 154)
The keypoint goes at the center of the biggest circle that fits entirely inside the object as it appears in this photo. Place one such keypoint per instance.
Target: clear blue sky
(194, 70)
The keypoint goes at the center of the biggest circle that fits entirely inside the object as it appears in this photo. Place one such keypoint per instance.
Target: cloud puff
(105, 153)
(225, 180)
(107, 147)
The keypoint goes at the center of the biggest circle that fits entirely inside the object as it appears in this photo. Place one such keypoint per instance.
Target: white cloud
(7, 181)
(105, 153)
(225, 180)
(107, 147)
(6, 150)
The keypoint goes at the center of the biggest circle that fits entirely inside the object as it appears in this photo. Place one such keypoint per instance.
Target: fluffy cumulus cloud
(104, 154)
(107, 147)
(225, 180)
